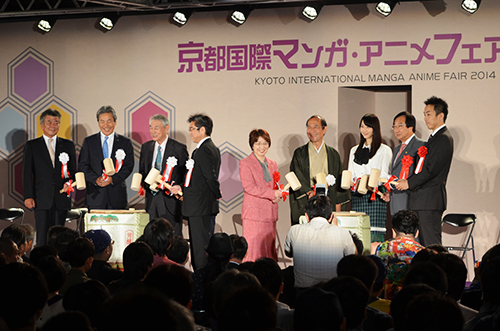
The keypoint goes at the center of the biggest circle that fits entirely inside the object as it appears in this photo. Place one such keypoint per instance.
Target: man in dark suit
(106, 192)
(49, 163)
(169, 157)
(428, 186)
(201, 188)
(404, 125)
(309, 160)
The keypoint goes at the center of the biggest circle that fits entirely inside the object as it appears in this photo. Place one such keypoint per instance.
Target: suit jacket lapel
(169, 150)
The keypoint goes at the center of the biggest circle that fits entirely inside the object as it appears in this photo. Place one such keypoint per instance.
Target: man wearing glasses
(201, 190)
(404, 125)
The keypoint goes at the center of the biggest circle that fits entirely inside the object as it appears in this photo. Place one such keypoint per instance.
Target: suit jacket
(258, 198)
(200, 197)
(300, 165)
(42, 181)
(428, 187)
(172, 148)
(91, 163)
(399, 199)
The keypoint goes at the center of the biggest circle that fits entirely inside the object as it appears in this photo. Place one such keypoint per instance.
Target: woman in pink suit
(260, 201)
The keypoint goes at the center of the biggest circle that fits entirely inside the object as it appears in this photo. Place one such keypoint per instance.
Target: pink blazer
(258, 198)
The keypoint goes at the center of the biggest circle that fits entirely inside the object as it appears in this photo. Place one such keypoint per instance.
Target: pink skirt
(261, 239)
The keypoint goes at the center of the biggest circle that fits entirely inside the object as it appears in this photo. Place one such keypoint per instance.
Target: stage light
(46, 24)
(108, 22)
(311, 12)
(385, 7)
(471, 6)
(181, 17)
(240, 16)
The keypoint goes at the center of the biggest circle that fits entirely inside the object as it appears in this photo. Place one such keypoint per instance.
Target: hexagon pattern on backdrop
(229, 176)
(30, 78)
(13, 128)
(68, 118)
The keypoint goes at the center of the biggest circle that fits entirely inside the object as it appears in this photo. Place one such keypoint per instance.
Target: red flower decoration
(422, 151)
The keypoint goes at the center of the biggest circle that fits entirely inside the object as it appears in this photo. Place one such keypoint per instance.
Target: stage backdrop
(273, 72)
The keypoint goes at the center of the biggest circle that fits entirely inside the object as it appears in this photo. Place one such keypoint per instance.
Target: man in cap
(101, 270)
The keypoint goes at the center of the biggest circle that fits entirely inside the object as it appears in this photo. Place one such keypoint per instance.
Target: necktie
(430, 137)
(194, 152)
(105, 148)
(401, 149)
(51, 152)
(158, 159)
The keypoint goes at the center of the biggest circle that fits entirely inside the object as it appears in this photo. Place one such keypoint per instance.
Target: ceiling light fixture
(46, 24)
(311, 12)
(108, 22)
(240, 16)
(181, 17)
(471, 6)
(385, 7)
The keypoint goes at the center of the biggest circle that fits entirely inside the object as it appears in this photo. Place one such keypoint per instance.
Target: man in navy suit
(201, 188)
(404, 125)
(49, 163)
(428, 186)
(106, 192)
(169, 157)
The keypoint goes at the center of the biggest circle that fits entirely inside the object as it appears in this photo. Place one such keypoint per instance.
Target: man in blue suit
(106, 192)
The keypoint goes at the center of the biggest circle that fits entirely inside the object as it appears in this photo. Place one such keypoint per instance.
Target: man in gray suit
(404, 129)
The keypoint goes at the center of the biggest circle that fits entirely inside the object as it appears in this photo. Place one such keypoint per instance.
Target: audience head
(17, 234)
(179, 250)
(172, 280)
(269, 274)
(220, 247)
(103, 244)
(423, 255)
(30, 235)
(318, 310)
(353, 296)
(438, 248)
(490, 286)
(9, 250)
(87, 297)
(138, 259)
(68, 320)
(378, 285)
(358, 243)
(427, 273)
(54, 272)
(248, 309)
(455, 270)
(402, 299)
(240, 246)
(319, 206)
(23, 295)
(158, 234)
(405, 222)
(59, 237)
(360, 267)
(433, 312)
(40, 252)
(80, 253)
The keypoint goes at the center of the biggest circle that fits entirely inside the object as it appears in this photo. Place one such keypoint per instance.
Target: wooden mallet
(79, 182)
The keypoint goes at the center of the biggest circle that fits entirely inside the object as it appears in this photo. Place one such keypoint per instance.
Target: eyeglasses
(192, 129)
(262, 144)
(399, 126)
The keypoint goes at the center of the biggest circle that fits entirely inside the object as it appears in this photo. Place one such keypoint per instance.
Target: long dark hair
(370, 120)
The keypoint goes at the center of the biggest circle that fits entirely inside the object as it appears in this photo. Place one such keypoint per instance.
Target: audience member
(101, 270)
(30, 237)
(365, 270)
(270, 277)
(59, 237)
(17, 235)
(40, 252)
(402, 299)
(318, 310)
(433, 312)
(138, 260)
(179, 250)
(172, 280)
(23, 295)
(318, 245)
(427, 273)
(9, 250)
(240, 246)
(87, 297)
(353, 297)
(80, 254)
(54, 273)
(158, 234)
(357, 243)
(68, 320)
(219, 251)
(375, 300)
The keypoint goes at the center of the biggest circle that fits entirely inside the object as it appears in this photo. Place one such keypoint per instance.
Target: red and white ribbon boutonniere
(71, 188)
(64, 158)
(387, 185)
(119, 156)
(331, 180)
(422, 152)
(167, 173)
(278, 186)
(189, 167)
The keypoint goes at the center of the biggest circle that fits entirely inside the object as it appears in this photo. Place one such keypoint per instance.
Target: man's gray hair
(106, 110)
(160, 117)
(50, 112)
